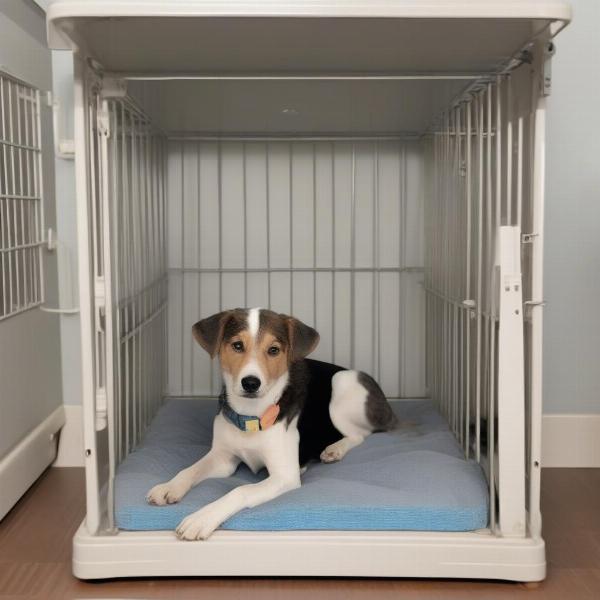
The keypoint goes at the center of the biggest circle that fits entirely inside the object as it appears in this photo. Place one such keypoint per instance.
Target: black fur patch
(211, 332)
(379, 411)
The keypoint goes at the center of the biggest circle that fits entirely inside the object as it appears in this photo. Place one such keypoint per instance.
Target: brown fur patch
(272, 333)
(211, 332)
(218, 333)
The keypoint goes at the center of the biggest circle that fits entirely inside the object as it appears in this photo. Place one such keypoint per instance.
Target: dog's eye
(274, 350)
(238, 346)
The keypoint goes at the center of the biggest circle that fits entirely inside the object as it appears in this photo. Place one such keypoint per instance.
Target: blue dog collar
(245, 423)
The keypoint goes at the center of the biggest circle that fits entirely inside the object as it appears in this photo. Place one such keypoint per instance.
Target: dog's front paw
(198, 525)
(331, 455)
(167, 493)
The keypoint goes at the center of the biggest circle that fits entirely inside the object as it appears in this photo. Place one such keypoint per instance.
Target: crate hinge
(113, 87)
(103, 121)
(533, 303)
(528, 238)
(549, 51)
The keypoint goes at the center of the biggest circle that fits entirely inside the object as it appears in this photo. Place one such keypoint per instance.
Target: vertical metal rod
(291, 225)
(509, 150)
(493, 391)
(6, 307)
(401, 263)
(479, 120)
(459, 241)
(469, 176)
(116, 202)
(519, 170)
(124, 208)
(374, 274)
(377, 274)
(39, 180)
(220, 229)
(245, 217)
(199, 257)
(182, 285)
(444, 267)
(19, 94)
(315, 225)
(137, 286)
(16, 299)
(353, 260)
(30, 296)
(333, 260)
(268, 200)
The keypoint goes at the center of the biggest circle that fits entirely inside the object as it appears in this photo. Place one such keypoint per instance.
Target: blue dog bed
(412, 479)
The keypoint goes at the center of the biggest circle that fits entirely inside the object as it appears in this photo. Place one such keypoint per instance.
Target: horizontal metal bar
(22, 247)
(60, 311)
(6, 75)
(367, 76)
(459, 304)
(15, 197)
(212, 398)
(144, 323)
(20, 146)
(254, 137)
(127, 300)
(462, 133)
(300, 270)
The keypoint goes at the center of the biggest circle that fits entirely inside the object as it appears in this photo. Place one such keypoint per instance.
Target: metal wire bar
(317, 268)
(470, 168)
(21, 198)
(131, 167)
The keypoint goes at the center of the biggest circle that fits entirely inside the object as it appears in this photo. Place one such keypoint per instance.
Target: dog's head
(255, 347)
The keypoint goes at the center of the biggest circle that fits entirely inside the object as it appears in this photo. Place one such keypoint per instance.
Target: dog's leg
(199, 525)
(281, 461)
(217, 463)
(349, 413)
(339, 449)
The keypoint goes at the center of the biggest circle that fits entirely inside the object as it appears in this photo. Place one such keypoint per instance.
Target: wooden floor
(35, 554)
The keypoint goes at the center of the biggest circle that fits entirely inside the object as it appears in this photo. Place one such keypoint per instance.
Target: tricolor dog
(278, 410)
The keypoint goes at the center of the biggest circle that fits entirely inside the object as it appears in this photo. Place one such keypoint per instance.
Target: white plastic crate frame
(21, 198)
(472, 231)
(498, 387)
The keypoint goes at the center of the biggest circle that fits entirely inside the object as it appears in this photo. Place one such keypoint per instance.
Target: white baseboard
(70, 445)
(567, 440)
(28, 459)
(570, 440)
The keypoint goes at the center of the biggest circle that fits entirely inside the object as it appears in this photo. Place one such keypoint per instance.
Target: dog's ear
(209, 332)
(303, 339)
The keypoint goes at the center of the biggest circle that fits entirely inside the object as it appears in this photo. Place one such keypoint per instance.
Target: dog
(278, 409)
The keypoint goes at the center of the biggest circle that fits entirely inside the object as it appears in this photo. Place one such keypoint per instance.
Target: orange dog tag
(269, 416)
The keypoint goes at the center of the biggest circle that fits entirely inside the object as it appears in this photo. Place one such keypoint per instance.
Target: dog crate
(374, 168)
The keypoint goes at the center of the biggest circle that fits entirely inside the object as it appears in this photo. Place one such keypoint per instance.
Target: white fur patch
(253, 321)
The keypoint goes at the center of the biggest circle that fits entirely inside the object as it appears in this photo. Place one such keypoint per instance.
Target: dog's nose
(250, 384)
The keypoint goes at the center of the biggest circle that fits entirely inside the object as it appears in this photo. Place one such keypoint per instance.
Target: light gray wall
(572, 259)
(30, 384)
(572, 321)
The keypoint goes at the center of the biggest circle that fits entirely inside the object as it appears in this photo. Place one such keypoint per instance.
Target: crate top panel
(156, 37)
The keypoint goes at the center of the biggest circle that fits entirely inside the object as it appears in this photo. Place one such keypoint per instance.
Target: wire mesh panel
(21, 210)
(329, 231)
(476, 161)
(135, 189)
